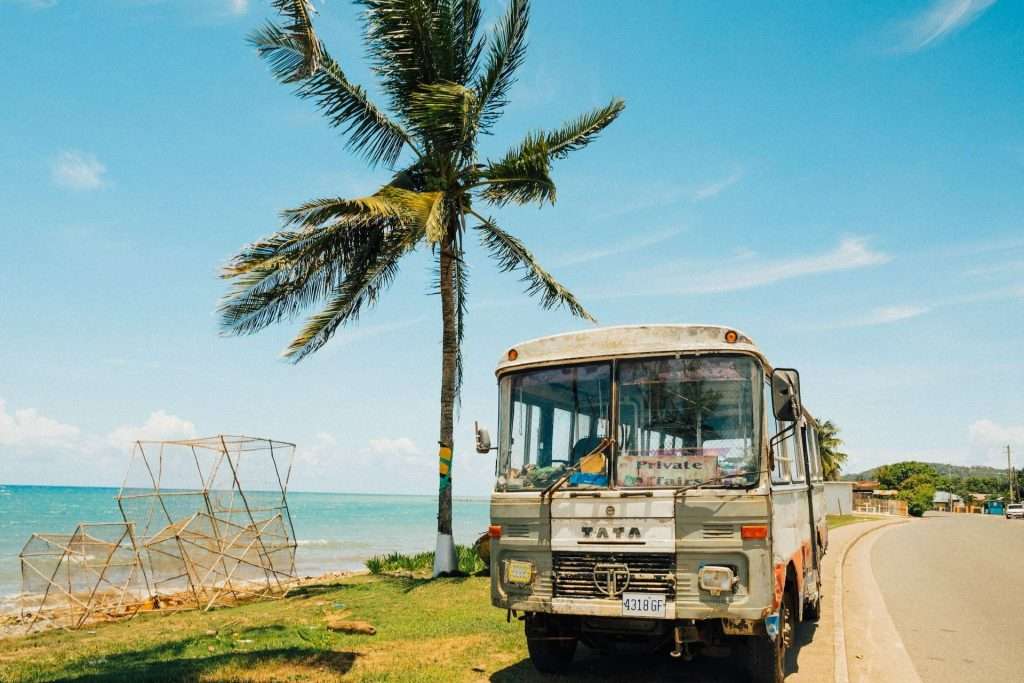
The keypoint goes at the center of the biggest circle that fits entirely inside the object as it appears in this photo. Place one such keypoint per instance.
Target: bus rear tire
(767, 656)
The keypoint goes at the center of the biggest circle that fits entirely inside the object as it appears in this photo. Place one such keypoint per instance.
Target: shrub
(919, 499)
(419, 563)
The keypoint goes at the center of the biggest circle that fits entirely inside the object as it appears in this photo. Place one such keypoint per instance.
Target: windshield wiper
(724, 477)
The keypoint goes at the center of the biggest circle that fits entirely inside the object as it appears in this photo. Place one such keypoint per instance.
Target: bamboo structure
(205, 523)
(92, 574)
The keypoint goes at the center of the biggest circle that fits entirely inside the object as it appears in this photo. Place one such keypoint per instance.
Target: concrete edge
(841, 672)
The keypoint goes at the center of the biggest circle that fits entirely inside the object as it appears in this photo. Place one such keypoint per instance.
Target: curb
(841, 672)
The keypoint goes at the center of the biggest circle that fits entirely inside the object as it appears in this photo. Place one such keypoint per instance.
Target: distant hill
(958, 471)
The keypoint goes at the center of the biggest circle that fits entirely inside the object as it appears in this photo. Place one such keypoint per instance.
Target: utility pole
(1011, 475)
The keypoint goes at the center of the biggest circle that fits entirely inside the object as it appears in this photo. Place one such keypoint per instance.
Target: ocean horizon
(334, 531)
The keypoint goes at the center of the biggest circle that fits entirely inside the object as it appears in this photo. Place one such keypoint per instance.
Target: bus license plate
(643, 605)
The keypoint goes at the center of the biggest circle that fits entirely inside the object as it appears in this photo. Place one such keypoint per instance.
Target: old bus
(656, 484)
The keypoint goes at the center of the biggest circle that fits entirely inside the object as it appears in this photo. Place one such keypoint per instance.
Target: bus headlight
(716, 579)
(518, 572)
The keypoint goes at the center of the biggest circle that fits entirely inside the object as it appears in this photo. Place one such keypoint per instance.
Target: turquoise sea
(335, 530)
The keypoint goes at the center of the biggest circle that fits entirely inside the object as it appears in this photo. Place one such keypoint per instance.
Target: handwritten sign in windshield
(676, 467)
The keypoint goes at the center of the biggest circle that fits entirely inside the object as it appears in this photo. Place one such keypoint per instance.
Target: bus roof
(626, 340)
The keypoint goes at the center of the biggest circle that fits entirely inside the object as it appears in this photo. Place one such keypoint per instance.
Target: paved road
(954, 587)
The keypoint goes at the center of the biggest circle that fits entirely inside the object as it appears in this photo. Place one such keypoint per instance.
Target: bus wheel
(812, 609)
(551, 648)
(767, 658)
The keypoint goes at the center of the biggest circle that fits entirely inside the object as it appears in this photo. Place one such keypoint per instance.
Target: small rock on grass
(480, 668)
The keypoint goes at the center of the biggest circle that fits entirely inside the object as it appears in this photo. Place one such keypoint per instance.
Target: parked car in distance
(1015, 511)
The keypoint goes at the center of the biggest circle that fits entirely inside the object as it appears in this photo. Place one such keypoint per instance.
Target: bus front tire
(767, 656)
(551, 655)
(551, 646)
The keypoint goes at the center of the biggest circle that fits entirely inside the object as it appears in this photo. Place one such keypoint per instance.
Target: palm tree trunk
(444, 556)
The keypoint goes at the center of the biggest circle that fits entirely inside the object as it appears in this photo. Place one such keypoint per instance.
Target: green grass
(427, 630)
(836, 521)
(423, 563)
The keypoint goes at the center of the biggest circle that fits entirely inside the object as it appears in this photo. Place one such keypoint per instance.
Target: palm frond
(368, 129)
(513, 254)
(580, 132)
(372, 271)
(521, 176)
(300, 28)
(276, 278)
(468, 45)
(505, 56)
(424, 210)
(441, 114)
(316, 212)
(400, 37)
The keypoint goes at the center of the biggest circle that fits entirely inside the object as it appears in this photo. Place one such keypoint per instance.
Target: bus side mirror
(483, 439)
(786, 394)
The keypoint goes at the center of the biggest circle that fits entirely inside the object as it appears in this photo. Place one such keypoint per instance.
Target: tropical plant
(445, 86)
(829, 443)
(893, 476)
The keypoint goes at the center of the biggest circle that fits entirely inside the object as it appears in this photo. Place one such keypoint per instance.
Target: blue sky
(842, 181)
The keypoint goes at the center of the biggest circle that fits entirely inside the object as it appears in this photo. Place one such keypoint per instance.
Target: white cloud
(712, 190)
(748, 271)
(401, 445)
(160, 426)
(78, 171)
(940, 20)
(883, 315)
(628, 245)
(323, 447)
(26, 428)
(238, 7)
(989, 441)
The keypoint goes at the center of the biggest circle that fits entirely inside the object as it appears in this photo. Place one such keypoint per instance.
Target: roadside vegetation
(469, 562)
(917, 483)
(836, 521)
(829, 443)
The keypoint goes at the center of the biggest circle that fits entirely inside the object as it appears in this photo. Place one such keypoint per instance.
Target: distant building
(869, 497)
(994, 507)
(838, 497)
(947, 502)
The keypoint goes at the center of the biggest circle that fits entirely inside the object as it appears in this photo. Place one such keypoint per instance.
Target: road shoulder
(869, 646)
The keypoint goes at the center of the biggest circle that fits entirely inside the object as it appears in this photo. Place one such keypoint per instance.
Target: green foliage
(893, 476)
(836, 521)
(829, 443)
(419, 563)
(919, 498)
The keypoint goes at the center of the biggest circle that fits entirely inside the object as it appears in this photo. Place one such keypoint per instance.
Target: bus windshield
(684, 421)
(679, 421)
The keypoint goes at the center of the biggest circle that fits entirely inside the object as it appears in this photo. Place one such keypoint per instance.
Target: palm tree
(445, 85)
(829, 443)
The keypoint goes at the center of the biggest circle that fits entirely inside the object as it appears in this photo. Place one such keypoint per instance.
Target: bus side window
(780, 459)
(816, 469)
(797, 463)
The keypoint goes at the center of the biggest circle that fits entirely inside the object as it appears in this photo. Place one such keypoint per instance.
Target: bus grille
(573, 574)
